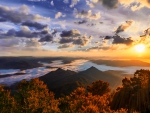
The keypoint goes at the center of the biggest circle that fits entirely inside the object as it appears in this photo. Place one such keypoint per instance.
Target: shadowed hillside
(28, 62)
(19, 64)
(35, 97)
(66, 81)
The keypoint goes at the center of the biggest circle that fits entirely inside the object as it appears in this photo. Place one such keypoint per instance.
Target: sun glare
(140, 48)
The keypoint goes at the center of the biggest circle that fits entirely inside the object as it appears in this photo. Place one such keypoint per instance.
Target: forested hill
(65, 81)
(34, 97)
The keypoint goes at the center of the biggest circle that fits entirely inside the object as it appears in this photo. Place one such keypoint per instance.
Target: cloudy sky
(74, 27)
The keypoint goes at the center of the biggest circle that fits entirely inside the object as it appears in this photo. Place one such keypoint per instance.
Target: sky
(102, 28)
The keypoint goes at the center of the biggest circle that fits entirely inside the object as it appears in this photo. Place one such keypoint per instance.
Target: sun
(140, 48)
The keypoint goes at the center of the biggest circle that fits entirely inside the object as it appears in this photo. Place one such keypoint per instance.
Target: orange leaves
(134, 94)
(7, 103)
(99, 88)
(34, 96)
(81, 102)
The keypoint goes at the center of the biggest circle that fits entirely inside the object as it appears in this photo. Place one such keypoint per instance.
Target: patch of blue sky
(7, 26)
(50, 46)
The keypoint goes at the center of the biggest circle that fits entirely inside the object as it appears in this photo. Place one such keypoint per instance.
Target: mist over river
(75, 65)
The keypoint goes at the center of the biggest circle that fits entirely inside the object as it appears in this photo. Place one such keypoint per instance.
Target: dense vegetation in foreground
(34, 97)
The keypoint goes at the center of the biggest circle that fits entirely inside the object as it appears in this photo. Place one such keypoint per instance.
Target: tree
(7, 103)
(134, 94)
(99, 88)
(34, 97)
(81, 102)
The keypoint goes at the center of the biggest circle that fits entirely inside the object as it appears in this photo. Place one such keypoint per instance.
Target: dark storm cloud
(81, 22)
(108, 37)
(44, 32)
(111, 4)
(120, 40)
(144, 36)
(3, 20)
(86, 14)
(26, 33)
(147, 32)
(47, 38)
(124, 26)
(82, 41)
(19, 16)
(22, 33)
(11, 32)
(34, 24)
(64, 40)
(54, 32)
(71, 33)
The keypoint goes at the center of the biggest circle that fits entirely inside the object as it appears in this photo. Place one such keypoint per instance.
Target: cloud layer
(73, 26)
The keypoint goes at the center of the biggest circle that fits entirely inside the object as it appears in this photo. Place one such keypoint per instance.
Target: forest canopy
(34, 97)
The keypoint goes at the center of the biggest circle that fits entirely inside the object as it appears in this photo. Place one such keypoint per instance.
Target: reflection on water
(76, 65)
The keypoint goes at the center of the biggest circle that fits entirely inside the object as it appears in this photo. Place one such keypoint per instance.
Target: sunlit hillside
(34, 96)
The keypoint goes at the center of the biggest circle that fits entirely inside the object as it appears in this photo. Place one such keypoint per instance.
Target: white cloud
(52, 3)
(19, 15)
(66, 1)
(74, 2)
(59, 14)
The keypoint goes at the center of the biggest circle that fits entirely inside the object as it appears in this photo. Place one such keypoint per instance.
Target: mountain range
(65, 81)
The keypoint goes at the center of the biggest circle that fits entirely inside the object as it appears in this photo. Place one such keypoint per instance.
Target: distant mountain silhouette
(56, 78)
(9, 75)
(93, 74)
(27, 62)
(21, 64)
(120, 63)
(65, 81)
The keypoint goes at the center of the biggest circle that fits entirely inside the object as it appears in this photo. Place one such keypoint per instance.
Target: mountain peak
(60, 69)
(92, 68)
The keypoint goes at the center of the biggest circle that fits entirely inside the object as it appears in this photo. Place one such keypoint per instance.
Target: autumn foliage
(7, 103)
(99, 88)
(34, 97)
(134, 93)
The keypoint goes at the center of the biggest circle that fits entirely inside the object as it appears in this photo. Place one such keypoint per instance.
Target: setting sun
(140, 48)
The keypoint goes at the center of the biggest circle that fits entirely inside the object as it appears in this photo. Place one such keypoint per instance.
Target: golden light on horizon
(139, 48)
